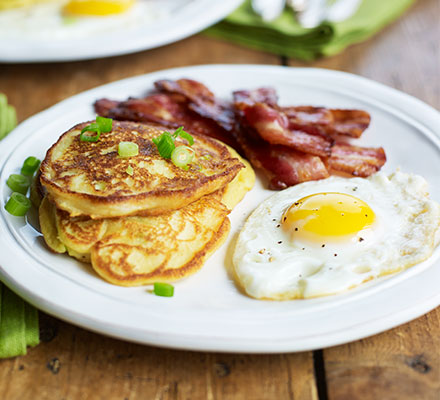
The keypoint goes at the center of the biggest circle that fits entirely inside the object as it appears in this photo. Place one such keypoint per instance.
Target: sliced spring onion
(93, 127)
(86, 138)
(30, 165)
(163, 289)
(180, 132)
(182, 156)
(18, 183)
(105, 124)
(18, 204)
(165, 144)
(101, 125)
(128, 149)
(129, 170)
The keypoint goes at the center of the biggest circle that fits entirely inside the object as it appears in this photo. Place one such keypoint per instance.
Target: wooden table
(72, 363)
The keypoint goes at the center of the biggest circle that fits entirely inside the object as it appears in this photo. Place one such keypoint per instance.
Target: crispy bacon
(282, 165)
(328, 121)
(357, 161)
(349, 122)
(248, 97)
(103, 106)
(159, 108)
(169, 110)
(290, 144)
(200, 100)
(273, 126)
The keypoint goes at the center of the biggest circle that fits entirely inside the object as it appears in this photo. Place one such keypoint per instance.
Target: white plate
(207, 311)
(182, 18)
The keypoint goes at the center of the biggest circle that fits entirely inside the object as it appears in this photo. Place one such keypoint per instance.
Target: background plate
(186, 18)
(207, 311)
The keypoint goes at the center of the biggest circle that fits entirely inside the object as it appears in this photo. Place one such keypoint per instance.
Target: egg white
(269, 265)
(45, 21)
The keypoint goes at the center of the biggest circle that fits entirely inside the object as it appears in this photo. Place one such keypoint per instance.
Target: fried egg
(77, 19)
(324, 237)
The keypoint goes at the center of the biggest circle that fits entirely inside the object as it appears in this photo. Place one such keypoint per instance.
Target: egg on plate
(73, 19)
(325, 237)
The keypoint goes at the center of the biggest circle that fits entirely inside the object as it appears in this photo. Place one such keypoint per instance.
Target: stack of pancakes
(139, 219)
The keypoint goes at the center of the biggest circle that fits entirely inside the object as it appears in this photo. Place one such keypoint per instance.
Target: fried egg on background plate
(325, 237)
(73, 19)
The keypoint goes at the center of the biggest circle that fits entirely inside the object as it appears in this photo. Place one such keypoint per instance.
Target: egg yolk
(329, 216)
(97, 7)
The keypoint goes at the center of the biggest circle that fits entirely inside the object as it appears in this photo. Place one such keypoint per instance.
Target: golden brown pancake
(89, 178)
(131, 251)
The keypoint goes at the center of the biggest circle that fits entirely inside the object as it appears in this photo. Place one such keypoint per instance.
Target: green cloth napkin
(284, 36)
(18, 324)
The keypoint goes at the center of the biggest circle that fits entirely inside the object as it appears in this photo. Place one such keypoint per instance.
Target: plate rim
(213, 345)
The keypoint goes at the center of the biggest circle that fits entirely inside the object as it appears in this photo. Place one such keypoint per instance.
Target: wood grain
(400, 364)
(73, 363)
(34, 87)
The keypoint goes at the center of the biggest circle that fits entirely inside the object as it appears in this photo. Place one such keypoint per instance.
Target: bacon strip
(357, 161)
(282, 166)
(350, 122)
(103, 107)
(169, 110)
(249, 97)
(328, 121)
(160, 109)
(273, 126)
(290, 144)
(200, 100)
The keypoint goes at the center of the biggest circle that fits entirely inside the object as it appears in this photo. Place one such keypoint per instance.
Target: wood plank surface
(34, 87)
(72, 363)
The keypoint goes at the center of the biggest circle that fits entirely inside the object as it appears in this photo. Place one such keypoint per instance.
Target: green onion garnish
(128, 149)
(165, 142)
(86, 138)
(18, 183)
(30, 165)
(105, 124)
(129, 170)
(101, 125)
(180, 132)
(182, 156)
(163, 289)
(18, 204)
